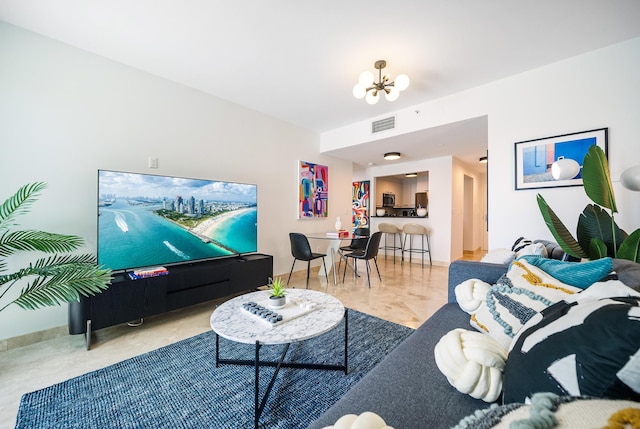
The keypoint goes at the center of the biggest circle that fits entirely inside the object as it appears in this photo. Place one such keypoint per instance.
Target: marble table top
(230, 321)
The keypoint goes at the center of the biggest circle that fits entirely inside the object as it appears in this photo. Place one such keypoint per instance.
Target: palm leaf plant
(598, 235)
(52, 278)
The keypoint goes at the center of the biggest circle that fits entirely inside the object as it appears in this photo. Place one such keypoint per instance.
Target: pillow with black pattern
(517, 296)
(524, 246)
(585, 348)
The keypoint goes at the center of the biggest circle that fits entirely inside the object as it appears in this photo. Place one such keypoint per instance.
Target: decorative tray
(261, 311)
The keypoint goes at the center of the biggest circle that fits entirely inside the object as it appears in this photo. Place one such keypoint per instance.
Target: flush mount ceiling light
(411, 175)
(369, 89)
(483, 160)
(391, 156)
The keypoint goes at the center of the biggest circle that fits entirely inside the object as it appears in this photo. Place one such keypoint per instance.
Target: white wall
(594, 90)
(65, 113)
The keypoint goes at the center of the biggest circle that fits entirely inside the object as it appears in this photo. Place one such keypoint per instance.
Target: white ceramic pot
(380, 212)
(421, 212)
(277, 303)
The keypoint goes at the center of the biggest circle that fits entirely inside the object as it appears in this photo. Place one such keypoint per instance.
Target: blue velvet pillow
(578, 274)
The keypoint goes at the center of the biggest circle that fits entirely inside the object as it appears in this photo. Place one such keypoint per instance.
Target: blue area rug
(179, 386)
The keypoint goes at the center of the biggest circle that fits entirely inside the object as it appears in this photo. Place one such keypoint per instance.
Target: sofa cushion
(582, 348)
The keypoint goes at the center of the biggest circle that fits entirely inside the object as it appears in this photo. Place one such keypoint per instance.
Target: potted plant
(598, 235)
(277, 292)
(50, 280)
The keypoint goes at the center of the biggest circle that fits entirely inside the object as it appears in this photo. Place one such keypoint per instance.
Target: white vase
(277, 303)
(421, 212)
(338, 224)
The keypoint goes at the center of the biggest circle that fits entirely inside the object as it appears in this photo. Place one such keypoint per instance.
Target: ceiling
(298, 60)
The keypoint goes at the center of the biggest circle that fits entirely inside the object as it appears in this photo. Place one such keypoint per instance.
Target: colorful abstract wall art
(313, 198)
(360, 205)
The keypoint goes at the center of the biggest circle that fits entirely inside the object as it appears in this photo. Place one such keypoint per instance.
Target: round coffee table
(307, 314)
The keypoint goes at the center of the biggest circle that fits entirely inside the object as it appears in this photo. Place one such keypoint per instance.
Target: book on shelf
(343, 233)
(144, 273)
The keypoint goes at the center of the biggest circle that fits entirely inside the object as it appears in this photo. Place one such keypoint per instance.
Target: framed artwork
(360, 204)
(313, 190)
(555, 161)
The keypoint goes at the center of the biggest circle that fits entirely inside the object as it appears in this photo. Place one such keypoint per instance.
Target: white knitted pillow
(472, 362)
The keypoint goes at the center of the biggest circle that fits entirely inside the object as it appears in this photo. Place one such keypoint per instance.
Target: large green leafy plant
(50, 279)
(598, 235)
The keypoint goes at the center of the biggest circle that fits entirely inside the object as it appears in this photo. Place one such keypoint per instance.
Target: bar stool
(386, 229)
(411, 229)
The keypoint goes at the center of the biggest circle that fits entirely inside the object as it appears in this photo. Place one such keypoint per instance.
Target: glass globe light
(393, 94)
(372, 97)
(630, 178)
(365, 79)
(565, 169)
(359, 91)
(401, 82)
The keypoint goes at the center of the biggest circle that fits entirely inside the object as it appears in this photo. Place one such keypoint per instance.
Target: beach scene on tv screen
(148, 220)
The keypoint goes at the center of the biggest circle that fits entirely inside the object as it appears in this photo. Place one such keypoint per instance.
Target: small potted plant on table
(277, 294)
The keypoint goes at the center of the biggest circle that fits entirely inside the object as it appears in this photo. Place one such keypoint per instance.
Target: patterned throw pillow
(584, 348)
(547, 411)
(524, 246)
(518, 295)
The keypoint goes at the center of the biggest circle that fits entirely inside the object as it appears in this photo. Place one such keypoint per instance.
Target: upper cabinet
(404, 188)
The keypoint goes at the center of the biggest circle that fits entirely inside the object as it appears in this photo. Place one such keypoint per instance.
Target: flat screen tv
(147, 220)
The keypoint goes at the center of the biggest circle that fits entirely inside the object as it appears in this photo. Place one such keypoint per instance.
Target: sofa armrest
(462, 270)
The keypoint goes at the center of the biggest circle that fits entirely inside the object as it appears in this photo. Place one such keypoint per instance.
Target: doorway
(468, 231)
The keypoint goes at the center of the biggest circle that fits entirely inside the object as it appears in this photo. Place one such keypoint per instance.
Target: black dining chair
(358, 242)
(301, 250)
(370, 252)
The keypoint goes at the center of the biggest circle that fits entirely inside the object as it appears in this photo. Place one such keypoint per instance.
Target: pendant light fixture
(369, 90)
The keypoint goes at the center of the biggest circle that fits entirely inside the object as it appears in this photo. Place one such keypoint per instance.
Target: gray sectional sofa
(407, 389)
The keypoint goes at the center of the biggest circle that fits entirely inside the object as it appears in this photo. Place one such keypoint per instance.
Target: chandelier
(369, 89)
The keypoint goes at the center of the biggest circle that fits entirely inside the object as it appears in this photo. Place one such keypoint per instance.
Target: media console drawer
(195, 295)
(199, 274)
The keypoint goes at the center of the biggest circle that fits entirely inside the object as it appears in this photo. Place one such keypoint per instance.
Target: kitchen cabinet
(402, 187)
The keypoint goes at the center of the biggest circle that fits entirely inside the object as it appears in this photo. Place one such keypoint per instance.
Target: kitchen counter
(400, 216)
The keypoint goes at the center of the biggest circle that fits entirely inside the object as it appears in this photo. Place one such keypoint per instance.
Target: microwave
(388, 200)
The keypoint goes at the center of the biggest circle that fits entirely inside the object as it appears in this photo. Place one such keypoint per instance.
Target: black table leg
(257, 363)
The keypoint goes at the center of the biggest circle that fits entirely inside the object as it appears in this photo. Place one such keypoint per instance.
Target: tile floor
(408, 295)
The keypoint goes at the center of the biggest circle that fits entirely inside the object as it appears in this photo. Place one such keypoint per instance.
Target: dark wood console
(128, 300)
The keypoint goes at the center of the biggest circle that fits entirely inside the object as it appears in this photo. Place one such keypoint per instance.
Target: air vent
(383, 125)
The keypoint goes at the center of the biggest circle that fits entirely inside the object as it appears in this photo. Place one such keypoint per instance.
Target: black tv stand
(186, 284)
